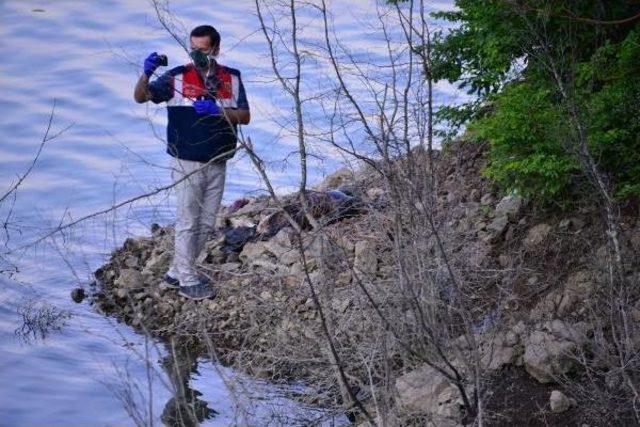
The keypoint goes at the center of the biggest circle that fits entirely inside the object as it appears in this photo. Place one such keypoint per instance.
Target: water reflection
(185, 408)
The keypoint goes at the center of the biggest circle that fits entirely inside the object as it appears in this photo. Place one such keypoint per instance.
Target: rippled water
(84, 57)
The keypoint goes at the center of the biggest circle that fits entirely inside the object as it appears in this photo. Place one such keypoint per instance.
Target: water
(84, 57)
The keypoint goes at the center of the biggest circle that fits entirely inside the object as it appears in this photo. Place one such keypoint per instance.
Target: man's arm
(237, 116)
(141, 92)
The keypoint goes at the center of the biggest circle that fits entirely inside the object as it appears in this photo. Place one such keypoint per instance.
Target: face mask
(200, 59)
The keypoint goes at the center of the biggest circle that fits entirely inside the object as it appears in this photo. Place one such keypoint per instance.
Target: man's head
(206, 39)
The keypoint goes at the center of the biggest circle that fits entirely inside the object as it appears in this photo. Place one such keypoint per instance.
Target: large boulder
(572, 297)
(427, 391)
(510, 207)
(549, 350)
(495, 230)
(500, 349)
(337, 179)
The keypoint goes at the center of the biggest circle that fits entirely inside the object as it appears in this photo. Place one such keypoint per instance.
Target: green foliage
(532, 64)
(610, 85)
(527, 137)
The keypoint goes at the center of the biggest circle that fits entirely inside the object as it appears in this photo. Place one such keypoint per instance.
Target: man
(205, 103)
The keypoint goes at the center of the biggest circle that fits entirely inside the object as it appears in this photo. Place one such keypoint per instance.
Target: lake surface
(77, 62)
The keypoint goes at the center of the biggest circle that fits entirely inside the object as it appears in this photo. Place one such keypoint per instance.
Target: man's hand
(207, 106)
(151, 63)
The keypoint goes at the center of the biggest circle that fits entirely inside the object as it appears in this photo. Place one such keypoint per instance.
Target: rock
(336, 179)
(634, 238)
(230, 266)
(78, 294)
(282, 249)
(561, 302)
(130, 279)
(158, 263)
(487, 199)
(579, 287)
(131, 261)
(472, 210)
(252, 251)
(548, 351)
(496, 229)
(559, 402)
(366, 260)
(537, 235)
(504, 260)
(499, 350)
(426, 390)
(510, 207)
(571, 224)
(121, 293)
(375, 193)
(474, 195)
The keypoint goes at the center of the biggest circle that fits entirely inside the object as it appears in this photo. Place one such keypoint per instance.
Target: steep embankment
(535, 279)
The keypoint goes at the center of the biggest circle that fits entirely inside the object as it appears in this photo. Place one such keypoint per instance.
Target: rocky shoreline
(265, 318)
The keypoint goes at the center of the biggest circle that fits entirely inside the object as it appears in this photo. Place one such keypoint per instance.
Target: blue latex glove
(151, 63)
(207, 106)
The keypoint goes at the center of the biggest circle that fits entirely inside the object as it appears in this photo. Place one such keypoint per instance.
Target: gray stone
(579, 287)
(131, 261)
(130, 279)
(487, 199)
(537, 235)
(252, 251)
(510, 206)
(474, 195)
(366, 261)
(549, 350)
(496, 228)
(559, 402)
(337, 179)
(158, 263)
(426, 390)
(500, 349)
(375, 193)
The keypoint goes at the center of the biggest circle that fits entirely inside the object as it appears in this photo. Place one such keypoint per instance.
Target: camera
(163, 60)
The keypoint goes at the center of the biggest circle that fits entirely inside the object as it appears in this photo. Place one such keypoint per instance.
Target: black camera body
(163, 60)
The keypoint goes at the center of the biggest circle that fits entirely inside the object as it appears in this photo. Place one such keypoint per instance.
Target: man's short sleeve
(161, 89)
(241, 100)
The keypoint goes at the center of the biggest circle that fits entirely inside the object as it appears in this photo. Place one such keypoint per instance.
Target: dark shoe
(197, 292)
(171, 281)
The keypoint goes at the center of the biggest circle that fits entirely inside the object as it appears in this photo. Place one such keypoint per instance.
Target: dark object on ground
(327, 206)
(197, 292)
(78, 294)
(235, 238)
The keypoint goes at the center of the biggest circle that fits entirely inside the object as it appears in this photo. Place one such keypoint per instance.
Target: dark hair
(207, 30)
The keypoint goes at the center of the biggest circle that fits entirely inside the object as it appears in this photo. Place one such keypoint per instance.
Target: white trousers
(199, 198)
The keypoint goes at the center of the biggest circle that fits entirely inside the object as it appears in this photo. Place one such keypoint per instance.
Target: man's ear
(216, 50)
